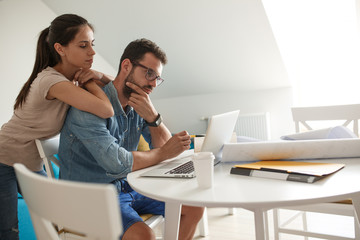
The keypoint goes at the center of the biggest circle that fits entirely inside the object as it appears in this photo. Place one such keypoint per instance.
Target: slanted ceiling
(213, 46)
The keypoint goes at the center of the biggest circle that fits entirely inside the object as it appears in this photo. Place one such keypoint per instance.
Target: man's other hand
(176, 145)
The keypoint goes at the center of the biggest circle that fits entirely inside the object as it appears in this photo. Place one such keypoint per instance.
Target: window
(319, 42)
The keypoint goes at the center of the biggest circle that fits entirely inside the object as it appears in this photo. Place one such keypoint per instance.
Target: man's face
(130, 78)
(138, 73)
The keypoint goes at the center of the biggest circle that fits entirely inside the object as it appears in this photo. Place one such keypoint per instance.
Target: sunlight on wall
(319, 42)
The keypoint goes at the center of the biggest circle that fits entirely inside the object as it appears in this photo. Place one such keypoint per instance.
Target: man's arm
(159, 135)
(164, 145)
(143, 106)
(105, 149)
(100, 146)
(173, 147)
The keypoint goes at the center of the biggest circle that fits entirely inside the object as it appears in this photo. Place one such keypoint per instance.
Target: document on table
(288, 170)
(300, 149)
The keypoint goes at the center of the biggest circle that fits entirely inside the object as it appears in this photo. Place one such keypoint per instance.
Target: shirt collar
(112, 94)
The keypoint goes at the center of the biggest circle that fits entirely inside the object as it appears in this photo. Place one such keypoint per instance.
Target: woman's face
(79, 52)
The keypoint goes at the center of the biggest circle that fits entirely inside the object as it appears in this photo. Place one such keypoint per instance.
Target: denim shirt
(98, 150)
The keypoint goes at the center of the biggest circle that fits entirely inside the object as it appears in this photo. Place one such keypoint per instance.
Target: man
(104, 150)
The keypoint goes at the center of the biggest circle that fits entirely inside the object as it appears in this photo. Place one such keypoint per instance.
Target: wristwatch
(155, 123)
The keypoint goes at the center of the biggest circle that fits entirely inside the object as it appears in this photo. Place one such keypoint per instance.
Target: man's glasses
(150, 74)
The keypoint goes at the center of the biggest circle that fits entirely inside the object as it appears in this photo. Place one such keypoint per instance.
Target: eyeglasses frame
(158, 79)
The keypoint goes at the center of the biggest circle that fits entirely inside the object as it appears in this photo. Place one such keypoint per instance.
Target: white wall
(212, 45)
(184, 113)
(20, 23)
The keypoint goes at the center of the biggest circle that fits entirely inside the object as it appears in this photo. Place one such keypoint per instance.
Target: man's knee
(139, 231)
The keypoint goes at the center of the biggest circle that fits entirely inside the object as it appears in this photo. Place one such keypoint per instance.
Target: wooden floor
(240, 226)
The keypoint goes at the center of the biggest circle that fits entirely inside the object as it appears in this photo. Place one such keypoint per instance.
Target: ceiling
(212, 46)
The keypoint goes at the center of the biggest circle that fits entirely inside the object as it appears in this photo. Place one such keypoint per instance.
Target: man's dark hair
(136, 50)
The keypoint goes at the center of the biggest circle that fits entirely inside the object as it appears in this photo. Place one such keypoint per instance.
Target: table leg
(259, 225)
(356, 204)
(203, 225)
(172, 220)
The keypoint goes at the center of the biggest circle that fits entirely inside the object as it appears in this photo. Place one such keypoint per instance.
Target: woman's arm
(92, 100)
(101, 79)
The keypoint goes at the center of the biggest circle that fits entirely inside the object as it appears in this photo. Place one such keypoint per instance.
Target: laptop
(219, 131)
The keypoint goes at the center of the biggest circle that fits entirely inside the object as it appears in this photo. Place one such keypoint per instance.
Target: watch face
(156, 123)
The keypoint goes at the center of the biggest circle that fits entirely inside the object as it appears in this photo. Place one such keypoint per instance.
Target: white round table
(251, 193)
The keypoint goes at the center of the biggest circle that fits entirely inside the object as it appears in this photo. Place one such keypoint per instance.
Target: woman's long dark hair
(63, 30)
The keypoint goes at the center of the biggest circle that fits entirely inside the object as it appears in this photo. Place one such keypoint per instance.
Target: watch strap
(155, 123)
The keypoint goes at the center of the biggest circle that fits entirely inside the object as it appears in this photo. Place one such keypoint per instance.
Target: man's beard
(126, 90)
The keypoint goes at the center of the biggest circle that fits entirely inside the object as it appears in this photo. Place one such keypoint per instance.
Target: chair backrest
(348, 113)
(86, 208)
(47, 148)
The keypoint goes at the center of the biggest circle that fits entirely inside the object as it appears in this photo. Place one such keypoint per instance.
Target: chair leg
(304, 219)
(203, 225)
(276, 218)
(356, 228)
(277, 223)
(266, 222)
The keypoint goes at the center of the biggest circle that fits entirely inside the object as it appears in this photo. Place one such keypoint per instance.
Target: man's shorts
(133, 204)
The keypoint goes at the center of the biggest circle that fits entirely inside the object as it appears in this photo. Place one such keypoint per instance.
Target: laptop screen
(219, 131)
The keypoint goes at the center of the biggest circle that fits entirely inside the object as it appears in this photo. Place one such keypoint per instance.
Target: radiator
(255, 125)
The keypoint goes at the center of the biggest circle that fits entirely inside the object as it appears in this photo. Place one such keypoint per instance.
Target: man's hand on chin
(141, 103)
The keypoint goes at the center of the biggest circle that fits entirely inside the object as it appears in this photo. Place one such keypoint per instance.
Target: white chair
(303, 116)
(90, 210)
(348, 113)
(49, 147)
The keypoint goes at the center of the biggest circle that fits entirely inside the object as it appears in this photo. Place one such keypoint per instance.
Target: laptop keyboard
(185, 168)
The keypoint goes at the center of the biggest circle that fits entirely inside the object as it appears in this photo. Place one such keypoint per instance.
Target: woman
(64, 56)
